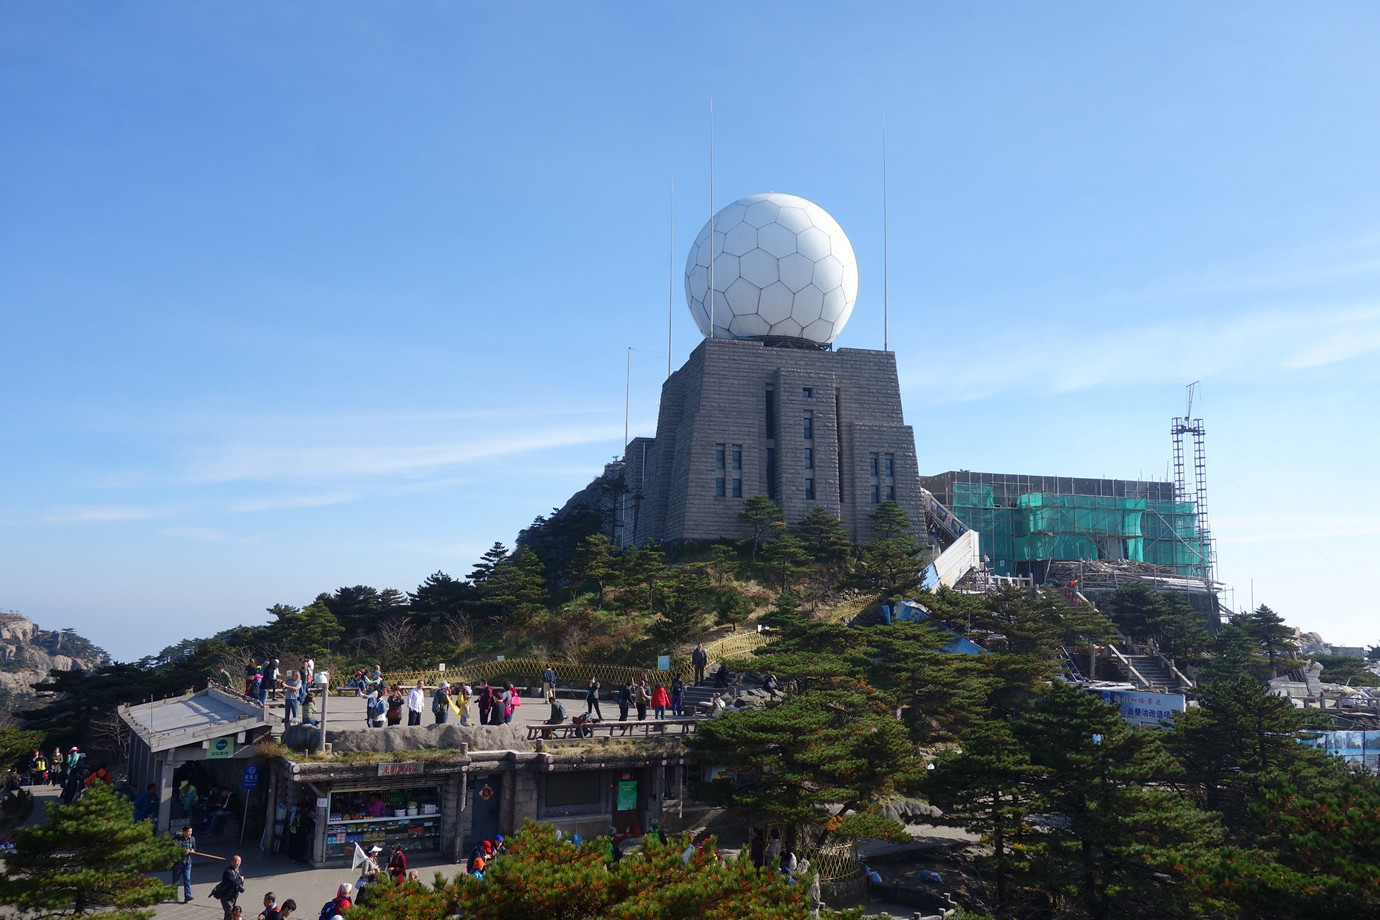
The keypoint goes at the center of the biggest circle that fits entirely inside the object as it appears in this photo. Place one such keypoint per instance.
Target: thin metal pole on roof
(711, 218)
(671, 279)
(886, 288)
(627, 401)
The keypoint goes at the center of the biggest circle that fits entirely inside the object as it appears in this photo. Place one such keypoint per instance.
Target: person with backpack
(374, 710)
(440, 702)
(231, 886)
(338, 904)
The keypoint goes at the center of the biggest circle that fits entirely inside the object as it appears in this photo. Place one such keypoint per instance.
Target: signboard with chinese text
(1142, 708)
(404, 768)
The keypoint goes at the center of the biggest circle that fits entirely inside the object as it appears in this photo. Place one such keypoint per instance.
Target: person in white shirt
(416, 700)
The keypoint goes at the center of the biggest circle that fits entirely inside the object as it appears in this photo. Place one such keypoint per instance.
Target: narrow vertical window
(719, 458)
(809, 458)
(890, 467)
(809, 489)
(737, 488)
(719, 487)
(891, 493)
(809, 427)
(872, 465)
(737, 459)
(876, 494)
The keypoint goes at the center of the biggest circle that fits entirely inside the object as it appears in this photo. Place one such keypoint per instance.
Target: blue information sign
(251, 777)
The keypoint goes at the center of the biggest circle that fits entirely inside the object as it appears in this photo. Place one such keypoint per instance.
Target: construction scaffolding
(1028, 523)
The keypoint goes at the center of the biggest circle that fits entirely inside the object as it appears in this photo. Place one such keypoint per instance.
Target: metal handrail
(1140, 678)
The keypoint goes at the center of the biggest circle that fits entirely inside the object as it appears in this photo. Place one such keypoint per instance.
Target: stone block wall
(719, 401)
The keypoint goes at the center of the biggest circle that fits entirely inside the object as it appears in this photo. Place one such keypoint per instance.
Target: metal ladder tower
(1194, 426)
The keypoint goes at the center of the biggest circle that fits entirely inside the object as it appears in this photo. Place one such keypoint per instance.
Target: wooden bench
(611, 729)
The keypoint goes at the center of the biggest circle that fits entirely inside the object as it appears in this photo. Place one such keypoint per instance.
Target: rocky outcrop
(25, 657)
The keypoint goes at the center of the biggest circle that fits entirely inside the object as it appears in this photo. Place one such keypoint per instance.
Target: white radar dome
(781, 268)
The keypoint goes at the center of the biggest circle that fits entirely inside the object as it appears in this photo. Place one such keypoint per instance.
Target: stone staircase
(697, 698)
(1154, 676)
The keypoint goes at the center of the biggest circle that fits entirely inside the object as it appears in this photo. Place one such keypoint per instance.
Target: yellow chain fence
(834, 862)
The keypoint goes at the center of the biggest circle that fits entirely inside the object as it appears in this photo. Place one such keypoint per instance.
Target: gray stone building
(805, 426)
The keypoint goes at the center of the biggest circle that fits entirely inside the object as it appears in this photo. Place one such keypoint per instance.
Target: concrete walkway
(310, 888)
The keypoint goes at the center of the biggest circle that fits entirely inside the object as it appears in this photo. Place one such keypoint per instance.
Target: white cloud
(1304, 527)
(101, 514)
(317, 500)
(1057, 358)
(364, 458)
(203, 534)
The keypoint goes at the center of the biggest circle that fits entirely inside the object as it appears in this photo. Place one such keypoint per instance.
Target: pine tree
(985, 788)
(90, 859)
(544, 878)
(763, 517)
(1122, 842)
(825, 536)
(1233, 743)
(682, 606)
(819, 763)
(595, 562)
(786, 558)
(487, 563)
(1277, 639)
(515, 590)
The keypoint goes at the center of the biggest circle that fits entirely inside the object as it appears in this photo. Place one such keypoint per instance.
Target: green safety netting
(1044, 526)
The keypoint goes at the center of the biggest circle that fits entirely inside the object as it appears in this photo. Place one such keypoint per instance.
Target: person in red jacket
(660, 700)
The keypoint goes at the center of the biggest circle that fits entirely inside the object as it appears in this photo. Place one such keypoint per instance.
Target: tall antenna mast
(671, 278)
(1194, 426)
(712, 298)
(627, 402)
(886, 288)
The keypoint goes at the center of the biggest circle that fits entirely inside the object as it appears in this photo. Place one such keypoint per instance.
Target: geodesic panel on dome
(750, 325)
(777, 240)
(834, 305)
(741, 239)
(759, 267)
(775, 303)
(796, 271)
(782, 268)
(742, 297)
(763, 211)
(794, 219)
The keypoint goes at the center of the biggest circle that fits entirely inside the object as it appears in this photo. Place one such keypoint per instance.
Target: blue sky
(296, 296)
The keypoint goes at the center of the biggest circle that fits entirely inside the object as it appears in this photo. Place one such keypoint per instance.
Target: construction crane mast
(1194, 426)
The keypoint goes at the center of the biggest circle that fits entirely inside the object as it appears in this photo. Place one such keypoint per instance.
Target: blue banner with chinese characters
(1142, 708)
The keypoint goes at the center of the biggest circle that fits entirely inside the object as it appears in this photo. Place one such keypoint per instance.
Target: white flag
(360, 859)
